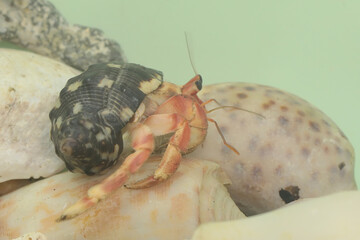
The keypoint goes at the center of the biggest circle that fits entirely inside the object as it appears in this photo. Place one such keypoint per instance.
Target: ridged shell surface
(92, 109)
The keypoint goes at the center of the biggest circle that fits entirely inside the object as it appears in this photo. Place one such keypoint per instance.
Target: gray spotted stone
(37, 26)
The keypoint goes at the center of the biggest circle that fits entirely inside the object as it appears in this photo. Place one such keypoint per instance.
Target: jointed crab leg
(143, 144)
(170, 160)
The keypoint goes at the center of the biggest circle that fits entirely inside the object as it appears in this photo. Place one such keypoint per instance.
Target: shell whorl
(92, 109)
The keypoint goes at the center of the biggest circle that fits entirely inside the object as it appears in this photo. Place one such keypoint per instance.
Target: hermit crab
(97, 107)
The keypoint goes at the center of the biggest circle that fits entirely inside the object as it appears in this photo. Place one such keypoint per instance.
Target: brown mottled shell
(93, 108)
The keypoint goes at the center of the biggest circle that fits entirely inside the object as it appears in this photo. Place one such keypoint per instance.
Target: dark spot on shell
(266, 149)
(253, 143)
(326, 123)
(257, 173)
(314, 126)
(299, 120)
(301, 113)
(231, 87)
(268, 104)
(223, 129)
(342, 134)
(11, 89)
(326, 149)
(283, 121)
(293, 101)
(284, 108)
(289, 194)
(339, 150)
(221, 90)
(341, 165)
(317, 141)
(249, 88)
(233, 116)
(265, 106)
(225, 150)
(241, 95)
(7, 18)
(279, 91)
(315, 176)
(305, 152)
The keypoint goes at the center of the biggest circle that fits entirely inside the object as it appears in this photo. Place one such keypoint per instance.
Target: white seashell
(29, 87)
(32, 236)
(173, 209)
(331, 217)
(294, 149)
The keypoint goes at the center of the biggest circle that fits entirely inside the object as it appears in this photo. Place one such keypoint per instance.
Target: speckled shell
(295, 151)
(92, 110)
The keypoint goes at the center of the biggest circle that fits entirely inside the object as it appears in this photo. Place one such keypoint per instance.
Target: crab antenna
(189, 53)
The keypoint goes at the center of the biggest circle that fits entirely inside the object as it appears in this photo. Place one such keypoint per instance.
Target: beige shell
(294, 149)
(171, 210)
(29, 87)
(331, 217)
(32, 236)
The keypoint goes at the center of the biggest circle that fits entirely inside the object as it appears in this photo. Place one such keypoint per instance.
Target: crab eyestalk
(192, 87)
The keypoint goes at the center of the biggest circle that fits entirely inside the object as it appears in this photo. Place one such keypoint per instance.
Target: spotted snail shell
(92, 109)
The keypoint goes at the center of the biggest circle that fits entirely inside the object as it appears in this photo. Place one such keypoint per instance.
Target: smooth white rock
(29, 87)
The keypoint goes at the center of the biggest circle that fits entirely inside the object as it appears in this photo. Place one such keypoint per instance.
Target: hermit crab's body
(98, 106)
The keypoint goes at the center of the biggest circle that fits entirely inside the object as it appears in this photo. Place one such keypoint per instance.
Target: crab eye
(198, 83)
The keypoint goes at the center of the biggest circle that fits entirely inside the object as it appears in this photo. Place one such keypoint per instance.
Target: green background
(309, 48)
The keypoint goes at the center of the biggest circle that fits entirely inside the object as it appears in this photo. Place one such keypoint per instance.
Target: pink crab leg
(171, 159)
(143, 144)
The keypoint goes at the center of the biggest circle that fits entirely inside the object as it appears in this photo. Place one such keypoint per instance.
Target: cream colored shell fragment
(195, 194)
(29, 88)
(32, 236)
(333, 217)
(294, 151)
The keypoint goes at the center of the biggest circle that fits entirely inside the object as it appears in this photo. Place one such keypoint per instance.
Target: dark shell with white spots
(93, 108)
